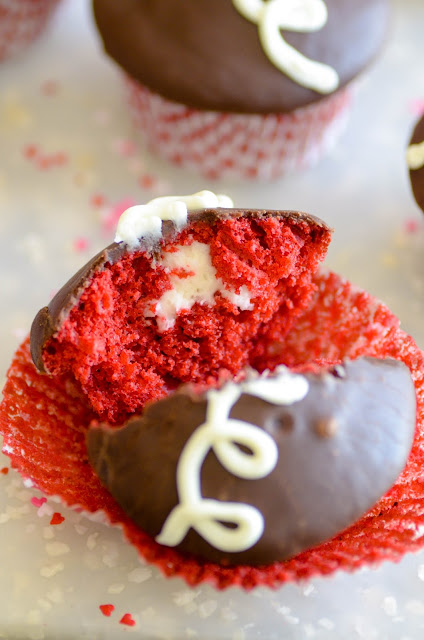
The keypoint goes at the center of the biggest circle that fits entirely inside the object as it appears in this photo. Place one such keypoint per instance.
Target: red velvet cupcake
(241, 89)
(21, 23)
(207, 299)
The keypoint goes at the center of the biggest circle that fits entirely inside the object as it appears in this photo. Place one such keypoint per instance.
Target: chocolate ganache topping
(229, 55)
(415, 159)
(258, 470)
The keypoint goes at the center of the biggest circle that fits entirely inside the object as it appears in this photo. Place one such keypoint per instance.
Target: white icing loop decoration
(222, 434)
(415, 156)
(292, 15)
(145, 221)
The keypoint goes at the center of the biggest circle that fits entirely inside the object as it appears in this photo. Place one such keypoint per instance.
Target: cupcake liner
(22, 22)
(44, 421)
(241, 146)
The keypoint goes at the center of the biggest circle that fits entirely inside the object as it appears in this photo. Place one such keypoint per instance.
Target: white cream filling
(292, 15)
(145, 221)
(222, 434)
(200, 285)
(415, 156)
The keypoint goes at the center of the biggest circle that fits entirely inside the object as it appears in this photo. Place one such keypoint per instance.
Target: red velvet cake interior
(123, 350)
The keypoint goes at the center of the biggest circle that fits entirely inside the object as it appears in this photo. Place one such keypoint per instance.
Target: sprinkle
(91, 541)
(4, 471)
(97, 200)
(147, 181)
(30, 151)
(140, 574)
(116, 588)
(107, 609)
(416, 106)
(57, 548)
(412, 226)
(112, 216)
(125, 148)
(38, 502)
(128, 620)
(57, 518)
(49, 88)
(49, 571)
(81, 244)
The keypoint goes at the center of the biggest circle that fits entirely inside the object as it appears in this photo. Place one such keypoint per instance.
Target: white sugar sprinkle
(207, 608)
(48, 533)
(57, 548)
(181, 598)
(421, 572)
(80, 529)
(92, 541)
(389, 606)
(55, 596)
(139, 575)
(48, 571)
(327, 624)
(116, 588)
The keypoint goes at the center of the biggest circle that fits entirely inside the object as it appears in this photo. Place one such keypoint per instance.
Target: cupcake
(240, 89)
(22, 22)
(415, 162)
(245, 419)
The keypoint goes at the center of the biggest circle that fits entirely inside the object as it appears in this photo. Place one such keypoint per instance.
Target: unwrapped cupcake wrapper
(22, 22)
(240, 146)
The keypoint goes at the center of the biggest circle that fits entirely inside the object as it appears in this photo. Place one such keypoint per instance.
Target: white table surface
(63, 96)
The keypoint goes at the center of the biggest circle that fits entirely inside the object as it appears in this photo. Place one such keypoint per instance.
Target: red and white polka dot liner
(228, 145)
(21, 22)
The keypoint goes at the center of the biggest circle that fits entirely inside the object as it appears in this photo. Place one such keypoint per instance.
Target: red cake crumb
(44, 421)
(119, 357)
(4, 471)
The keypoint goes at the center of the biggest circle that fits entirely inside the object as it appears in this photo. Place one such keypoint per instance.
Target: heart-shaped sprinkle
(57, 518)
(128, 620)
(38, 502)
(107, 609)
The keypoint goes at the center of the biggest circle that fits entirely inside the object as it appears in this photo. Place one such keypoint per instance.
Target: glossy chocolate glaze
(340, 449)
(205, 54)
(50, 318)
(417, 175)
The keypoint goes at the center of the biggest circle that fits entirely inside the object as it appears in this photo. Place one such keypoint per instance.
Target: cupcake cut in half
(155, 311)
(238, 88)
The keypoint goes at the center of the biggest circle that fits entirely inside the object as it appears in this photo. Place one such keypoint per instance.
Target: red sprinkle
(128, 620)
(38, 502)
(57, 518)
(30, 151)
(107, 609)
(412, 226)
(4, 471)
(147, 181)
(50, 87)
(98, 200)
(81, 244)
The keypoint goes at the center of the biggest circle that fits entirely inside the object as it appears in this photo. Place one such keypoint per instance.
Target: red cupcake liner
(44, 421)
(22, 22)
(240, 146)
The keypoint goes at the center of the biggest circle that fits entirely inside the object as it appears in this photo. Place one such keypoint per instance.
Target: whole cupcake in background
(241, 89)
(415, 161)
(22, 22)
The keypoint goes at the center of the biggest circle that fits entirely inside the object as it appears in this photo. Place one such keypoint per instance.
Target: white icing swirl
(415, 156)
(292, 15)
(145, 221)
(222, 434)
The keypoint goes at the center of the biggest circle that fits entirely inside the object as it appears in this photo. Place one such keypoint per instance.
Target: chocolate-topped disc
(210, 55)
(415, 159)
(255, 472)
